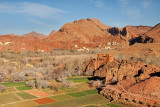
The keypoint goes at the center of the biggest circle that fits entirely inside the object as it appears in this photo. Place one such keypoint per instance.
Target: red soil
(44, 101)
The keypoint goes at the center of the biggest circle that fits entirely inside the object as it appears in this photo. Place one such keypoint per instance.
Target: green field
(81, 95)
(91, 106)
(13, 84)
(23, 88)
(62, 97)
(67, 89)
(89, 97)
(79, 79)
(113, 105)
(77, 94)
(90, 91)
(80, 101)
(25, 95)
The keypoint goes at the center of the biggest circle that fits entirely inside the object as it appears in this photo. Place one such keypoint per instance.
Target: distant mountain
(85, 32)
(34, 34)
(20, 44)
(52, 32)
(89, 33)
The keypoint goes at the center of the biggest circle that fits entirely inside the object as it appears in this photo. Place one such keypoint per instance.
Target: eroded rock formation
(128, 81)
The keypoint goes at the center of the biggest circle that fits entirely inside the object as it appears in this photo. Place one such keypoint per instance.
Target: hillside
(17, 44)
(151, 36)
(85, 32)
(138, 30)
(154, 33)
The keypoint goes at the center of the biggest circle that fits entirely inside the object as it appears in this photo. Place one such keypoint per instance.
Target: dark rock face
(114, 31)
(124, 31)
(142, 39)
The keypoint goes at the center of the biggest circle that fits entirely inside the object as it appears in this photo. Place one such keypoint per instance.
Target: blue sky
(43, 16)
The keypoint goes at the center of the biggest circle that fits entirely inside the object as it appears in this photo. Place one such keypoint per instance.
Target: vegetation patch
(91, 106)
(62, 97)
(90, 99)
(90, 91)
(68, 89)
(23, 88)
(25, 95)
(77, 94)
(4, 91)
(83, 86)
(8, 98)
(79, 79)
(13, 84)
(113, 105)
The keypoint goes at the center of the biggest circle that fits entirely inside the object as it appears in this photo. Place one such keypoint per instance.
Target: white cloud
(98, 3)
(133, 13)
(29, 8)
(145, 3)
(123, 2)
(35, 22)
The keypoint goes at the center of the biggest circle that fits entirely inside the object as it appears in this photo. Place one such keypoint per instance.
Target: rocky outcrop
(119, 70)
(128, 81)
(114, 31)
(142, 39)
(144, 93)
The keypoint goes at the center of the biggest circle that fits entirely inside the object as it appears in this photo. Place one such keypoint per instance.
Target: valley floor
(81, 95)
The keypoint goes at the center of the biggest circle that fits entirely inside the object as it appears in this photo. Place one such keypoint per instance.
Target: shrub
(38, 84)
(96, 83)
(31, 83)
(66, 83)
(2, 88)
(42, 84)
(18, 77)
(3, 76)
